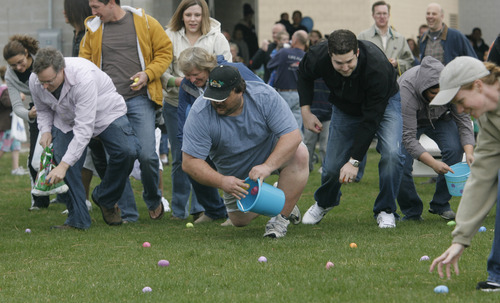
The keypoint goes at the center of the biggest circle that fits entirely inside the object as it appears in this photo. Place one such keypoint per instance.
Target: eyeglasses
(50, 82)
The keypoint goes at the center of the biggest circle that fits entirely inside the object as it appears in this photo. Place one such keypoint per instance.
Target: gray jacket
(396, 48)
(16, 87)
(417, 112)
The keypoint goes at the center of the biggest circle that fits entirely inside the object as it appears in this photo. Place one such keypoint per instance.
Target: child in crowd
(7, 143)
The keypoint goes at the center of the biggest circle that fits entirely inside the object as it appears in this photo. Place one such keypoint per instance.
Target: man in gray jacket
(392, 43)
(452, 132)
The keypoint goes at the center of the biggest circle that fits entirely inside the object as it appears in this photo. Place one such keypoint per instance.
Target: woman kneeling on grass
(475, 89)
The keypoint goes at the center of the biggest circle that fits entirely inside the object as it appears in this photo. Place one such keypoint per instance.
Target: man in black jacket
(366, 101)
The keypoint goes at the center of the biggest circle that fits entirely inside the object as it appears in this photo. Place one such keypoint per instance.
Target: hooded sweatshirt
(214, 42)
(153, 46)
(416, 110)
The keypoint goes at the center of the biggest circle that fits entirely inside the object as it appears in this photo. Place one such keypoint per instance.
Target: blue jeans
(127, 202)
(78, 214)
(292, 98)
(141, 114)
(493, 266)
(337, 154)
(164, 144)
(123, 148)
(209, 198)
(445, 133)
(181, 186)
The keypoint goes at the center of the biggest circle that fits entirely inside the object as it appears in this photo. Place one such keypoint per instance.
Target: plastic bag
(47, 163)
(17, 129)
(37, 154)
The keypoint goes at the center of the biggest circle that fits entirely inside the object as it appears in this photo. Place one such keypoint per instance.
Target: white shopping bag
(17, 129)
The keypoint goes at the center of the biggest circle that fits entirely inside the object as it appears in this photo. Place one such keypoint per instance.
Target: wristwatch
(354, 163)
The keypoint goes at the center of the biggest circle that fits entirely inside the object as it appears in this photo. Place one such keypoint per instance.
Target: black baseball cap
(221, 81)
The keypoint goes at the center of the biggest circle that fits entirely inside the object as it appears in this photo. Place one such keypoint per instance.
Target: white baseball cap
(460, 71)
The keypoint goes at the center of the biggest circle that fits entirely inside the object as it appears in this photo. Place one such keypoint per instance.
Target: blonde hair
(176, 23)
(196, 57)
(490, 79)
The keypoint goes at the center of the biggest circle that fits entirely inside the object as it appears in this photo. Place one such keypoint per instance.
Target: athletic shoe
(166, 205)
(295, 215)
(447, 214)
(385, 220)
(315, 214)
(20, 171)
(89, 205)
(488, 286)
(276, 227)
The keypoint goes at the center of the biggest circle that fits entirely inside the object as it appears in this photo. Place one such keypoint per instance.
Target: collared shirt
(87, 105)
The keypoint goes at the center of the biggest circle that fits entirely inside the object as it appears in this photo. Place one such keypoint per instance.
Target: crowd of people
(101, 111)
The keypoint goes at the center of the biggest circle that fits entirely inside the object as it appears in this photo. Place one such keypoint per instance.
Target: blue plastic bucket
(268, 200)
(456, 181)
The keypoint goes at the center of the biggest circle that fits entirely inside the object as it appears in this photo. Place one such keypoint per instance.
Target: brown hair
(20, 44)
(488, 79)
(176, 23)
(3, 69)
(379, 3)
(77, 11)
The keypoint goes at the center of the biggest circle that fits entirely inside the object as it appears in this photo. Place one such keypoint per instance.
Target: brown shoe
(110, 215)
(158, 213)
(227, 223)
(196, 216)
(203, 219)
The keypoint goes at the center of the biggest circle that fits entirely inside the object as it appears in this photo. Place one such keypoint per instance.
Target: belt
(286, 90)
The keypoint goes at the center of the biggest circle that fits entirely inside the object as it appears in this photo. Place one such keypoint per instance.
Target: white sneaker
(315, 214)
(385, 220)
(87, 202)
(276, 227)
(166, 206)
(89, 205)
(295, 215)
(20, 171)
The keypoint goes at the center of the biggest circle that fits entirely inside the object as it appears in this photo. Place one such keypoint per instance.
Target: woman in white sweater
(190, 25)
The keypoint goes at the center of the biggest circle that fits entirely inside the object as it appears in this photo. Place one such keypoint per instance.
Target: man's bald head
(278, 27)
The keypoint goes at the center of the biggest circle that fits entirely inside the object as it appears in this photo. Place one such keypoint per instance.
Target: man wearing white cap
(474, 88)
(247, 129)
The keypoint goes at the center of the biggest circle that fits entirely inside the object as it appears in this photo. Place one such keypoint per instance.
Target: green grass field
(210, 263)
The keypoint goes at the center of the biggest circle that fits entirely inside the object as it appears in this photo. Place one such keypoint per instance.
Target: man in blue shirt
(247, 129)
(196, 64)
(286, 63)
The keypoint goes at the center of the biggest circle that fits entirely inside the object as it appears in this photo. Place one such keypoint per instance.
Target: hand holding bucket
(263, 199)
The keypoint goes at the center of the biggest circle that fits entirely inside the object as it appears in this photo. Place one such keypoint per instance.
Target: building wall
(33, 15)
(355, 15)
(28, 16)
(485, 16)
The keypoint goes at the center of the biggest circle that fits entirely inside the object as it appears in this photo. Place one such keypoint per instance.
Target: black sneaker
(488, 286)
